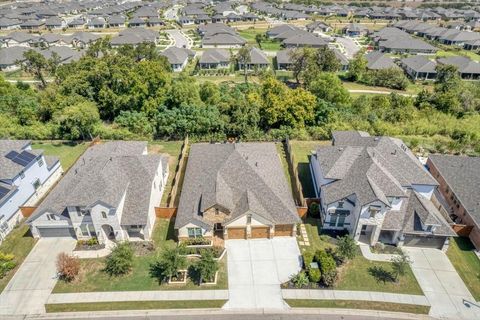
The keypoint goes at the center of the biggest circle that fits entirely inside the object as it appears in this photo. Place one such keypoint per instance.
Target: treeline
(132, 94)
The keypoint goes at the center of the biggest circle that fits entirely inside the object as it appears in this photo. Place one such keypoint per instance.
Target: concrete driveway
(33, 282)
(180, 40)
(256, 268)
(441, 284)
(351, 48)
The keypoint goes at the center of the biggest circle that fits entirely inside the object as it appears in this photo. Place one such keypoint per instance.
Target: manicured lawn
(357, 273)
(301, 152)
(134, 305)
(466, 263)
(365, 305)
(266, 44)
(92, 277)
(19, 242)
(452, 53)
(173, 149)
(283, 159)
(67, 152)
(413, 88)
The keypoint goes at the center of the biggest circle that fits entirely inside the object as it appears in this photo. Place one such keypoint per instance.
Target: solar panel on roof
(12, 154)
(20, 161)
(25, 155)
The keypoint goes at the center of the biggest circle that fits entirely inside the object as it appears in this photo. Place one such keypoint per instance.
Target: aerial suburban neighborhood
(298, 159)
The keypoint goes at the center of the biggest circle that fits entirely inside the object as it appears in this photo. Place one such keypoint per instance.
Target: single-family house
(26, 174)
(467, 68)
(109, 193)
(377, 190)
(459, 179)
(214, 59)
(419, 68)
(258, 60)
(355, 30)
(235, 191)
(178, 57)
(377, 60)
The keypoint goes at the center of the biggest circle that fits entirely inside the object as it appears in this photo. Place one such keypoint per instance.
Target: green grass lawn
(92, 278)
(365, 305)
(134, 305)
(67, 152)
(173, 149)
(18, 242)
(466, 263)
(452, 53)
(413, 88)
(266, 44)
(283, 159)
(356, 274)
(301, 152)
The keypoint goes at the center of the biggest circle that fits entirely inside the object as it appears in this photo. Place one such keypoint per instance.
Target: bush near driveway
(168, 264)
(7, 263)
(120, 261)
(68, 266)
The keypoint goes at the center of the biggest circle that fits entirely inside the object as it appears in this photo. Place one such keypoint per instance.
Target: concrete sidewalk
(166, 295)
(318, 294)
(369, 255)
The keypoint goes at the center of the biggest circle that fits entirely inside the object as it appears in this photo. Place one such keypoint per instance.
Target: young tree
(243, 58)
(168, 264)
(207, 266)
(259, 39)
(37, 65)
(346, 247)
(68, 266)
(357, 67)
(120, 261)
(400, 265)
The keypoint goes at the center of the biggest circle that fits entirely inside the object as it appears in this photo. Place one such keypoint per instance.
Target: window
(373, 210)
(341, 220)
(22, 175)
(249, 219)
(51, 216)
(40, 162)
(333, 220)
(84, 230)
(340, 204)
(104, 215)
(91, 229)
(36, 184)
(194, 232)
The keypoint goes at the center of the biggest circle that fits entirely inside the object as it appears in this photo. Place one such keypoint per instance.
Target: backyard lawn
(365, 305)
(67, 152)
(358, 274)
(134, 305)
(19, 242)
(301, 151)
(173, 149)
(466, 263)
(266, 44)
(92, 277)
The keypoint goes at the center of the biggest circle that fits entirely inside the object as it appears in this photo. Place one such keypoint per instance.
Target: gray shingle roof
(238, 177)
(8, 168)
(176, 55)
(463, 64)
(106, 172)
(462, 175)
(215, 56)
(378, 60)
(420, 64)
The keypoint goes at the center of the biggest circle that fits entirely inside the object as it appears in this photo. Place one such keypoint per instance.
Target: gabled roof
(9, 168)
(420, 64)
(378, 60)
(463, 64)
(243, 177)
(215, 56)
(305, 39)
(176, 55)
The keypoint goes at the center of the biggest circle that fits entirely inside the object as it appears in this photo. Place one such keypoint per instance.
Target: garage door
(56, 232)
(260, 232)
(237, 233)
(425, 242)
(283, 230)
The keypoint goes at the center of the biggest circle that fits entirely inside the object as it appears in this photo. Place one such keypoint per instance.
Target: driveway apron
(256, 268)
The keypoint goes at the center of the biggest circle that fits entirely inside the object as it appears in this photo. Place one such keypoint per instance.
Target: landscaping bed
(90, 244)
(133, 305)
(365, 305)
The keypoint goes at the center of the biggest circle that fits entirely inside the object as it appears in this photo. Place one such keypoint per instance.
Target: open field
(364, 305)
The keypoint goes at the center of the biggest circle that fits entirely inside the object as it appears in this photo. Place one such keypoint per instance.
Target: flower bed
(197, 251)
(142, 248)
(197, 242)
(180, 277)
(210, 281)
(88, 245)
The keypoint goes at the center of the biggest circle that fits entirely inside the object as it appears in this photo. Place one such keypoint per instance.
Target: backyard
(67, 152)
(265, 44)
(93, 278)
(460, 252)
(359, 274)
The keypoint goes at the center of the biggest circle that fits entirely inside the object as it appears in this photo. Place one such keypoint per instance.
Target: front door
(218, 227)
(364, 230)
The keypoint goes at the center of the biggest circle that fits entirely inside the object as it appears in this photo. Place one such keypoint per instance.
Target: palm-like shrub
(168, 264)
(206, 267)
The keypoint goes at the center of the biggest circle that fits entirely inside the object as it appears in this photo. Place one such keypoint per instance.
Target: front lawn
(460, 252)
(67, 152)
(19, 242)
(92, 278)
(365, 305)
(360, 274)
(134, 305)
(173, 149)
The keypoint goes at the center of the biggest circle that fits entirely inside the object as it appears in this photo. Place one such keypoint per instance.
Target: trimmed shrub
(68, 266)
(120, 261)
(326, 262)
(206, 267)
(299, 280)
(307, 259)
(7, 263)
(347, 247)
(168, 264)
(314, 275)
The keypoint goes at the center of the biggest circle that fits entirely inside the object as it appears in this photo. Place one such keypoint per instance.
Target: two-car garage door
(57, 232)
(260, 232)
(424, 242)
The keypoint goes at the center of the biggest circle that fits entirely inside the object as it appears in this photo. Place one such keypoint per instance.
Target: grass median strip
(134, 305)
(364, 305)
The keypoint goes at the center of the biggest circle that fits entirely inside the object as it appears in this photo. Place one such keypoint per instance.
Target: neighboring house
(54, 23)
(377, 60)
(355, 30)
(214, 59)
(304, 39)
(459, 179)
(258, 60)
(467, 68)
(9, 24)
(377, 190)
(284, 59)
(178, 57)
(235, 191)
(25, 176)
(134, 37)
(406, 45)
(10, 56)
(318, 27)
(419, 68)
(109, 193)
(223, 40)
(82, 39)
(344, 63)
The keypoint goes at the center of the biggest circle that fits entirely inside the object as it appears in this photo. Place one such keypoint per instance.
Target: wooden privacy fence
(462, 230)
(166, 213)
(27, 211)
(296, 185)
(178, 173)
